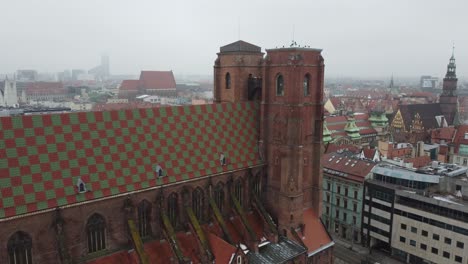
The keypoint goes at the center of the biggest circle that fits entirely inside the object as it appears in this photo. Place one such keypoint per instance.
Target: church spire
(451, 67)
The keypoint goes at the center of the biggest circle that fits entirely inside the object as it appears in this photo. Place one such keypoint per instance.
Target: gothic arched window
(257, 186)
(172, 209)
(19, 248)
(197, 203)
(306, 85)
(219, 196)
(279, 85)
(239, 192)
(228, 80)
(144, 218)
(96, 230)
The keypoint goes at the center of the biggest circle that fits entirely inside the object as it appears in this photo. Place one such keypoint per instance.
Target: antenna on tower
(238, 28)
(294, 27)
(453, 48)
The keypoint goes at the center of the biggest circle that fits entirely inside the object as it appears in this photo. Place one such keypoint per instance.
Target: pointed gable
(157, 80)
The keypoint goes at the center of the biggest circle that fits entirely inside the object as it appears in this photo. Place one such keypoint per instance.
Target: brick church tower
(292, 117)
(236, 63)
(289, 84)
(448, 99)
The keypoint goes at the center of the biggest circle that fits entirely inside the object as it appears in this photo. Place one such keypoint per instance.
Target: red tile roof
(122, 106)
(42, 156)
(314, 235)
(157, 80)
(46, 88)
(444, 133)
(189, 246)
(256, 223)
(331, 147)
(369, 153)
(336, 125)
(221, 249)
(129, 85)
(459, 137)
(157, 251)
(122, 257)
(352, 168)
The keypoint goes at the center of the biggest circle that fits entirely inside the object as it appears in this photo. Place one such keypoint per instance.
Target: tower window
(197, 203)
(172, 209)
(306, 85)
(228, 81)
(279, 85)
(144, 218)
(96, 228)
(19, 248)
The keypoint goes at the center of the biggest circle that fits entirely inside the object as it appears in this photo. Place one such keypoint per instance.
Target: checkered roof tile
(42, 156)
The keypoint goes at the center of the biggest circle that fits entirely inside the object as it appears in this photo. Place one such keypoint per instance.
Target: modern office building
(419, 216)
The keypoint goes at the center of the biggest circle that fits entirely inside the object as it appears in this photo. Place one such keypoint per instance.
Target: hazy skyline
(368, 38)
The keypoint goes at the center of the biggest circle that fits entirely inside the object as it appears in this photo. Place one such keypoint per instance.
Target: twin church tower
(288, 85)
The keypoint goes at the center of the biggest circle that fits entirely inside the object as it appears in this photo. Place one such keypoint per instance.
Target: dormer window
(222, 159)
(81, 185)
(159, 171)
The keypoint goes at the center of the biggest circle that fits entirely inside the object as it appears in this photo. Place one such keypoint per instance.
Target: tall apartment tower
(448, 99)
(288, 85)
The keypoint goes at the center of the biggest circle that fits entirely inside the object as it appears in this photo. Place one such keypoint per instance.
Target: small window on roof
(159, 171)
(222, 159)
(81, 185)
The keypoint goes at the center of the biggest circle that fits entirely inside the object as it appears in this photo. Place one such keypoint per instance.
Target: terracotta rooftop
(157, 80)
(43, 156)
(45, 88)
(121, 106)
(129, 85)
(332, 147)
(221, 249)
(336, 125)
(314, 235)
(348, 167)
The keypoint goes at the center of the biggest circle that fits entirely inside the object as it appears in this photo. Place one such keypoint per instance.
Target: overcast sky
(361, 38)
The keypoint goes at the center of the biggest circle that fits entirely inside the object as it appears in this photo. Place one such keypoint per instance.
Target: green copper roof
(114, 152)
(326, 133)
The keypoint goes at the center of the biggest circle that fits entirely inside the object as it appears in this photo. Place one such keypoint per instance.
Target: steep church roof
(157, 80)
(43, 156)
(427, 112)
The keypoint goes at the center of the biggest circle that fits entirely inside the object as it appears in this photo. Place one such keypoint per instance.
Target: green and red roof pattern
(114, 152)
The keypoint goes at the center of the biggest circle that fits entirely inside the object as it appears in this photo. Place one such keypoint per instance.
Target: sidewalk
(363, 252)
(347, 244)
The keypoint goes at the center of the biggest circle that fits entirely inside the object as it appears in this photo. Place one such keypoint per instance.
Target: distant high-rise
(26, 75)
(105, 65)
(101, 71)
